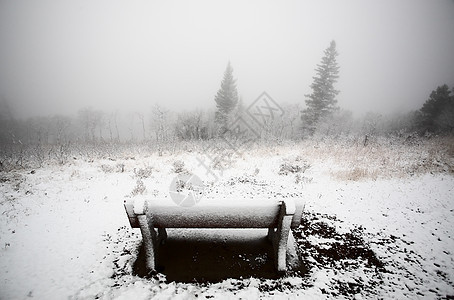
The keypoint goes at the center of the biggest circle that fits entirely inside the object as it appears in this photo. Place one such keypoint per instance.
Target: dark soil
(341, 252)
(207, 257)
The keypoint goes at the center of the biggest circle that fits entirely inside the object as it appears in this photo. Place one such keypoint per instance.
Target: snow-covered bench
(278, 217)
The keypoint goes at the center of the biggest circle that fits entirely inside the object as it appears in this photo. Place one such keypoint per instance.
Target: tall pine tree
(226, 99)
(322, 101)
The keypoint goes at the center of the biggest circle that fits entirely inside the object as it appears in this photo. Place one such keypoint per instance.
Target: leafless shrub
(139, 189)
(302, 179)
(180, 185)
(286, 168)
(143, 173)
(246, 179)
(296, 165)
(107, 168)
(120, 168)
(75, 174)
(16, 159)
(14, 179)
(178, 166)
(223, 160)
(39, 155)
(62, 153)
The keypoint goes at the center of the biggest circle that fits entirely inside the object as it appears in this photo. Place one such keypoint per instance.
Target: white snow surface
(64, 231)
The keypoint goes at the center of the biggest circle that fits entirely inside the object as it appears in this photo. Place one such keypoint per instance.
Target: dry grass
(347, 158)
(383, 157)
(355, 174)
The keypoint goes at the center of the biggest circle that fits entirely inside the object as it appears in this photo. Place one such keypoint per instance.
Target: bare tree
(99, 120)
(113, 125)
(130, 125)
(85, 118)
(142, 121)
(160, 125)
(60, 126)
(91, 121)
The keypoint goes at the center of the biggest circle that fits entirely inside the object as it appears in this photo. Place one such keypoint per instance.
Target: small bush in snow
(286, 168)
(143, 173)
(223, 160)
(120, 167)
(178, 166)
(139, 189)
(299, 178)
(294, 166)
(106, 168)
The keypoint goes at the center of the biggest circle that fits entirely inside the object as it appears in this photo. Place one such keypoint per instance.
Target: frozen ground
(64, 232)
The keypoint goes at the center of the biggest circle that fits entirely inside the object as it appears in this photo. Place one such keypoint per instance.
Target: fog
(60, 56)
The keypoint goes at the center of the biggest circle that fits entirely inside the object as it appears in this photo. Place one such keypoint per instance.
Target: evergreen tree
(240, 109)
(438, 111)
(226, 99)
(322, 101)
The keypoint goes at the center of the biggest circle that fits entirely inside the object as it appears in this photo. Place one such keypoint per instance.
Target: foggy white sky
(58, 56)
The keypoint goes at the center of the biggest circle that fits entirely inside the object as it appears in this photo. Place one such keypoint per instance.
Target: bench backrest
(257, 214)
(215, 216)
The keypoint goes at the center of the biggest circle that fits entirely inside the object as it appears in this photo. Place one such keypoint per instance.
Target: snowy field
(378, 222)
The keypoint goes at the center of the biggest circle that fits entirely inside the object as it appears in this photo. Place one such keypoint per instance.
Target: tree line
(319, 116)
(323, 116)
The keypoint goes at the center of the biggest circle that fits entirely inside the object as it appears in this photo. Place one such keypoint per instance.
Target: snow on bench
(153, 217)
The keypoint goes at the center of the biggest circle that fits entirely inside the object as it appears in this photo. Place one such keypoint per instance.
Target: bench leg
(280, 237)
(293, 261)
(162, 236)
(282, 234)
(150, 244)
(271, 234)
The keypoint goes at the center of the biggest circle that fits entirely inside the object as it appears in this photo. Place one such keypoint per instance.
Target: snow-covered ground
(64, 232)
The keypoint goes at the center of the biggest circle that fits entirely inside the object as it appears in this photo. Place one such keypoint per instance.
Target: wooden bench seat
(153, 217)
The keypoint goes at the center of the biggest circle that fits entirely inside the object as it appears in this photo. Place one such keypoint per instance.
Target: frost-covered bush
(143, 173)
(302, 179)
(295, 165)
(118, 168)
(107, 168)
(286, 168)
(178, 166)
(223, 160)
(139, 189)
